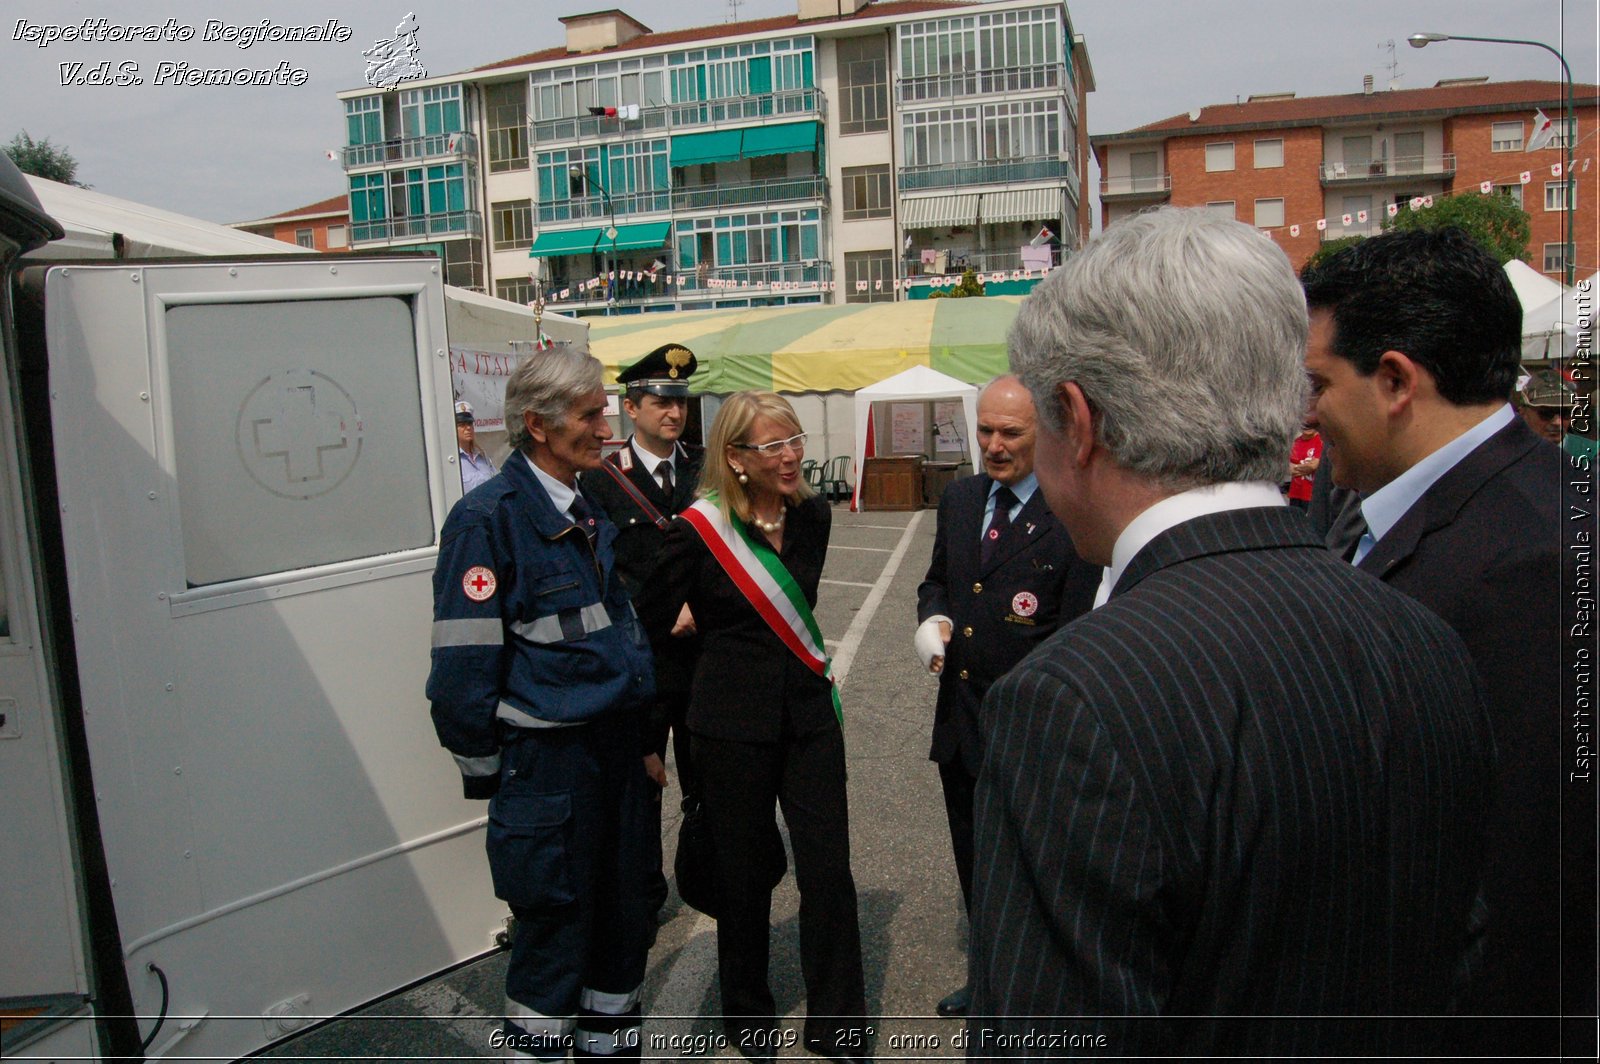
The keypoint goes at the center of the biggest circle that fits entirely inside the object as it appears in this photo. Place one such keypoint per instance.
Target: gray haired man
(540, 675)
(1236, 809)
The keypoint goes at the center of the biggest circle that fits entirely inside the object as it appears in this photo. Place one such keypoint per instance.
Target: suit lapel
(1254, 528)
(1444, 499)
(1034, 522)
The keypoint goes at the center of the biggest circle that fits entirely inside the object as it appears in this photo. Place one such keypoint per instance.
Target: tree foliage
(968, 286)
(1328, 250)
(43, 159)
(1494, 221)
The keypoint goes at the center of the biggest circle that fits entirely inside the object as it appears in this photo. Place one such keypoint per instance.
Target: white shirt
(1174, 510)
(652, 463)
(1384, 508)
(561, 496)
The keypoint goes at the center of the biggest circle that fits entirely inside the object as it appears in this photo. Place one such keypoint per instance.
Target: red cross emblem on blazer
(479, 583)
(1025, 604)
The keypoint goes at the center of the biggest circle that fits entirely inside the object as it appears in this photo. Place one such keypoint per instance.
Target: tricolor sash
(766, 584)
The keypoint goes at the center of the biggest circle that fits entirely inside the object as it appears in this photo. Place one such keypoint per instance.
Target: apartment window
(512, 223)
(867, 192)
(431, 111)
(1511, 192)
(1269, 213)
(1562, 130)
(1019, 130)
(1555, 258)
(338, 236)
(363, 118)
(1222, 209)
(518, 290)
(869, 277)
(1558, 194)
(305, 238)
(1506, 136)
(1219, 157)
(1269, 153)
(1002, 51)
(863, 85)
(507, 112)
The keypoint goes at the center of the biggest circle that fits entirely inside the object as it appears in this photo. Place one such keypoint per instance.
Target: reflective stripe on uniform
(512, 715)
(468, 632)
(605, 1043)
(478, 766)
(610, 1004)
(551, 629)
(532, 1035)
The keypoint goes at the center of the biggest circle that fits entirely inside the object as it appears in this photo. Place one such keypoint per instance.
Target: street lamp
(1422, 40)
(582, 174)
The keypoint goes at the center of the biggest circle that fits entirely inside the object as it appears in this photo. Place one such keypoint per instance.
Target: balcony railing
(793, 103)
(751, 194)
(998, 172)
(1435, 164)
(958, 260)
(433, 146)
(452, 224)
(1146, 185)
(582, 207)
(981, 82)
(763, 279)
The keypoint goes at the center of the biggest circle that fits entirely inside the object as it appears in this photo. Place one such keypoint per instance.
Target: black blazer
(747, 685)
(1033, 583)
(639, 540)
(1482, 548)
(1254, 783)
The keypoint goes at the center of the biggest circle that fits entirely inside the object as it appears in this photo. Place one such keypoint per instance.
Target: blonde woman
(764, 721)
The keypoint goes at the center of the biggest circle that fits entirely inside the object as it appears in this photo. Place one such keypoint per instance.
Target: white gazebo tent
(1550, 331)
(916, 383)
(1533, 288)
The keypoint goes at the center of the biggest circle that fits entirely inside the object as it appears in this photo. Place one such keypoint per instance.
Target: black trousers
(667, 716)
(959, 788)
(805, 776)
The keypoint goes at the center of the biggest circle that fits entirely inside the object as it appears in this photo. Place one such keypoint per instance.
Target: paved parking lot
(913, 935)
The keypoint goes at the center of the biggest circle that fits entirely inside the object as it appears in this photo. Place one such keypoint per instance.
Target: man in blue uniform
(540, 677)
(641, 486)
(1003, 577)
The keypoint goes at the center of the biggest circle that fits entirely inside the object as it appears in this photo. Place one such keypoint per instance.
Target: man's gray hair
(547, 383)
(1187, 335)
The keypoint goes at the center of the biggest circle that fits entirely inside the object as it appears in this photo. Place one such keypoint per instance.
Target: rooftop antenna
(733, 9)
(1394, 64)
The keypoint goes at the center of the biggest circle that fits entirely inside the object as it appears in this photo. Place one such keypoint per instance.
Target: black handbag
(694, 866)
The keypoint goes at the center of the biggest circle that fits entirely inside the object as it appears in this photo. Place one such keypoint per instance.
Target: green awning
(565, 242)
(779, 140)
(715, 146)
(640, 237)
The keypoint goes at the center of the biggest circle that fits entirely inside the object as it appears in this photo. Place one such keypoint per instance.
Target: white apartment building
(850, 152)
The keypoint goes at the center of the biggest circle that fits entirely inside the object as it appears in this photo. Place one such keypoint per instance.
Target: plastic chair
(834, 478)
(811, 469)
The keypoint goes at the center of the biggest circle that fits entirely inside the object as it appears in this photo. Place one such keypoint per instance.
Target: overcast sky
(232, 154)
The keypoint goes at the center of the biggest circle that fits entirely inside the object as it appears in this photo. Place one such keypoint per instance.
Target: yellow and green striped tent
(817, 348)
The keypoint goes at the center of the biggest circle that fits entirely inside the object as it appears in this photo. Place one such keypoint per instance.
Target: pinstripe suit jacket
(1253, 784)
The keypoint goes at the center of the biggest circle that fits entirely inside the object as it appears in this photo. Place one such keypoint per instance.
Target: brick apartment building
(1283, 163)
(320, 226)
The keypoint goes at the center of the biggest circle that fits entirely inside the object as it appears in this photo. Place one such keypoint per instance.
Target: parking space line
(844, 583)
(846, 654)
(881, 528)
(874, 550)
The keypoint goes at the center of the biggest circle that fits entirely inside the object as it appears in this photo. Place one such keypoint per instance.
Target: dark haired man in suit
(1211, 821)
(1003, 577)
(641, 486)
(1414, 349)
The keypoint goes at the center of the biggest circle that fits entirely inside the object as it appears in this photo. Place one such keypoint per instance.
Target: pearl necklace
(768, 526)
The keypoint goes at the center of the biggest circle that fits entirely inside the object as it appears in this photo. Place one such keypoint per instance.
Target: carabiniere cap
(664, 372)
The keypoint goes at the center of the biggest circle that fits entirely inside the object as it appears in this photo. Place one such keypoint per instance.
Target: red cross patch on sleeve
(479, 583)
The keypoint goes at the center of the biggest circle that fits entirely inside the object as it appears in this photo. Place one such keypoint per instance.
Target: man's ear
(1077, 422)
(535, 426)
(1400, 380)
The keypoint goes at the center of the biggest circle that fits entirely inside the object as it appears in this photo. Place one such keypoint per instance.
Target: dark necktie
(1004, 500)
(665, 469)
(583, 515)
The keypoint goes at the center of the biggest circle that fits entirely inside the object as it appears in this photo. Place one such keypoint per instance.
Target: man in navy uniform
(540, 675)
(1003, 577)
(643, 485)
